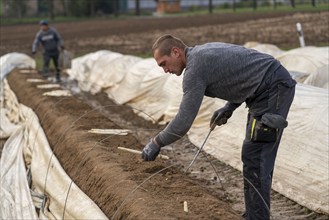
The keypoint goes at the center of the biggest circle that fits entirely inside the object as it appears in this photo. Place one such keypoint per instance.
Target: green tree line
(76, 8)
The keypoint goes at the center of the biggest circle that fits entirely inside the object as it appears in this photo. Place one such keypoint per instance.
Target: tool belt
(266, 127)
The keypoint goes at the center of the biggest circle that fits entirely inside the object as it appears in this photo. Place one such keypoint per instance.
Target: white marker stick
(185, 207)
(140, 152)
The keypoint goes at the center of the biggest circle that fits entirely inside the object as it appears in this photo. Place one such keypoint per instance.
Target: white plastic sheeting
(301, 171)
(9, 117)
(14, 60)
(52, 191)
(312, 62)
(16, 201)
(7, 63)
(147, 88)
(92, 82)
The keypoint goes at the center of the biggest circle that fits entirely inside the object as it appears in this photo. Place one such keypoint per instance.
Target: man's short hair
(166, 42)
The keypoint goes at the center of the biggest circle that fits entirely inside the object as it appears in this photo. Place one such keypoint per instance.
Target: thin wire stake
(268, 209)
(197, 154)
(100, 107)
(67, 196)
(64, 132)
(70, 186)
(215, 170)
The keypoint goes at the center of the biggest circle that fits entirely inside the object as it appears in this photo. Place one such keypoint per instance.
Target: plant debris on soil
(107, 175)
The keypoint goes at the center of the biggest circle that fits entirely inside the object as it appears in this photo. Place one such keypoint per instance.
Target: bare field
(135, 36)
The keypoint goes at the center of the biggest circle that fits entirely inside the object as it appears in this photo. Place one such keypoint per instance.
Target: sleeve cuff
(158, 141)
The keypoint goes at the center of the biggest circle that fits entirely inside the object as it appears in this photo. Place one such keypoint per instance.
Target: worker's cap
(43, 22)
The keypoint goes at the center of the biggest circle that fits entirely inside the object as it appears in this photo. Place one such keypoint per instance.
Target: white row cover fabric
(16, 201)
(94, 61)
(9, 116)
(14, 60)
(27, 147)
(301, 171)
(312, 62)
(126, 78)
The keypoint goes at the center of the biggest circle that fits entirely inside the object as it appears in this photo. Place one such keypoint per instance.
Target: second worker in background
(51, 41)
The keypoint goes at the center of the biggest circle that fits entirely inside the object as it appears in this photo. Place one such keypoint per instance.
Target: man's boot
(58, 78)
(45, 73)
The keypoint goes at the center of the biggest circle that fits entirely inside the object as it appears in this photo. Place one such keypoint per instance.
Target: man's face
(171, 64)
(44, 27)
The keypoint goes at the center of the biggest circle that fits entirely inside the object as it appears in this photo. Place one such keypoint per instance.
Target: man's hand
(220, 117)
(150, 151)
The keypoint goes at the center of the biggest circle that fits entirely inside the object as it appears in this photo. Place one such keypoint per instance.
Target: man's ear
(176, 51)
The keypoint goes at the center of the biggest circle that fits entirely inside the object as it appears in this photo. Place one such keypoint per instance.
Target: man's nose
(166, 70)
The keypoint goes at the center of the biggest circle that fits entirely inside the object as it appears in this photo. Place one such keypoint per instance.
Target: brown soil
(108, 175)
(134, 36)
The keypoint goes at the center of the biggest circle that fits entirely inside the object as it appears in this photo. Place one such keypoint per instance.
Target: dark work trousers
(275, 95)
(47, 56)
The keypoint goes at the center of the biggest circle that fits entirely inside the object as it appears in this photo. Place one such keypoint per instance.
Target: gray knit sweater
(229, 72)
(50, 40)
